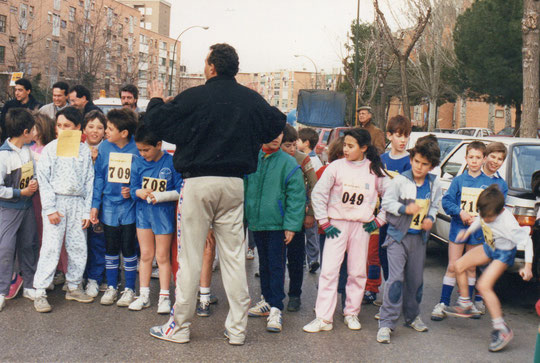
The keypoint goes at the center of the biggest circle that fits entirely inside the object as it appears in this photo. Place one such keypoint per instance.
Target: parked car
(444, 131)
(521, 162)
(324, 134)
(332, 135)
(509, 132)
(474, 131)
(108, 103)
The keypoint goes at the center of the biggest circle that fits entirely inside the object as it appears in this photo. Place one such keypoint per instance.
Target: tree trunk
(404, 89)
(432, 123)
(517, 130)
(463, 113)
(507, 116)
(531, 65)
(491, 117)
(381, 114)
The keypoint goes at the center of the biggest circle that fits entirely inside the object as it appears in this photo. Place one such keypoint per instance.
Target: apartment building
(155, 14)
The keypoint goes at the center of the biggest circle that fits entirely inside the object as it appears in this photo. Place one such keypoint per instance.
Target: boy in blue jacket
(113, 203)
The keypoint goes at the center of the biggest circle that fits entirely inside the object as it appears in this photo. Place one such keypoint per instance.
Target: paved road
(80, 332)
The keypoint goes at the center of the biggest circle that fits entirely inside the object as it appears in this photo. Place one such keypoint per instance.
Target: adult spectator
(23, 98)
(218, 129)
(377, 135)
(129, 95)
(59, 100)
(81, 99)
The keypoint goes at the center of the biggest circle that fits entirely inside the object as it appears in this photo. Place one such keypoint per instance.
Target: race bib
(27, 173)
(469, 198)
(392, 174)
(488, 235)
(157, 185)
(119, 168)
(418, 218)
(353, 194)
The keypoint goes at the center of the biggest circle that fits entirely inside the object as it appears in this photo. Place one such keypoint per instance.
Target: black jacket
(90, 106)
(32, 104)
(218, 128)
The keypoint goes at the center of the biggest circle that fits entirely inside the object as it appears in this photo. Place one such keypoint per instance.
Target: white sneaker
(317, 325)
(262, 308)
(30, 294)
(352, 322)
(65, 288)
(92, 288)
(383, 335)
(438, 313)
(274, 321)
(41, 304)
(141, 302)
(2, 301)
(164, 305)
(126, 298)
(103, 287)
(109, 297)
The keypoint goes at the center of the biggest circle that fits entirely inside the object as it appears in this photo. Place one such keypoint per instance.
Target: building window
(71, 39)
(57, 4)
(63, 24)
(70, 64)
(23, 16)
(119, 50)
(130, 24)
(56, 25)
(120, 30)
(72, 13)
(118, 71)
(3, 20)
(2, 54)
(163, 61)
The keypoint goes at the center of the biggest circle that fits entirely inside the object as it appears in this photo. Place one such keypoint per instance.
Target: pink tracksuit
(346, 196)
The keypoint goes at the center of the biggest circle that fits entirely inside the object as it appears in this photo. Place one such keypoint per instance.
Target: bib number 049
(352, 199)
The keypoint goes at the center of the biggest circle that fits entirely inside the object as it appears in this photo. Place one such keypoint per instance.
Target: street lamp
(174, 52)
(314, 65)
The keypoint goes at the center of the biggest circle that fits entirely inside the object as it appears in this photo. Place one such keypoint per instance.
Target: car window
(342, 132)
(447, 145)
(452, 166)
(525, 162)
(325, 136)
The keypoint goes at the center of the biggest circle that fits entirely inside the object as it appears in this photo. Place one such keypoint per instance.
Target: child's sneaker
(500, 339)
(2, 302)
(213, 298)
(383, 335)
(317, 325)
(476, 314)
(59, 278)
(261, 309)
(30, 294)
(126, 298)
(65, 287)
(15, 287)
(203, 309)
(459, 310)
(41, 304)
(418, 325)
(369, 298)
(109, 297)
(480, 306)
(103, 287)
(140, 303)
(78, 295)
(164, 305)
(438, 312)
(274, 321)
(352, 322)
(92, 288)
(250, 254)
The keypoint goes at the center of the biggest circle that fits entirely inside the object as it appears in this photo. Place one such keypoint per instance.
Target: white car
(108, 103)
(474, 131)
(522, 160)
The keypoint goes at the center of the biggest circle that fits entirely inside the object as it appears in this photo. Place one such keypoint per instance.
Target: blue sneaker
(203, 309)
(500, 339)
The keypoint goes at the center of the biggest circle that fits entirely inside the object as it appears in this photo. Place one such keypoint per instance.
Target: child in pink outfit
(344, 200)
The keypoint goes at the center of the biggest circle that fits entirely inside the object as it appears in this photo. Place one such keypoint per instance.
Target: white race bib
(157, 185)
(353, 194)
(119, 168)
(469, 199)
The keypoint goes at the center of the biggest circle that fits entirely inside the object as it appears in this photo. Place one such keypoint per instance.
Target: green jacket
(275, 196)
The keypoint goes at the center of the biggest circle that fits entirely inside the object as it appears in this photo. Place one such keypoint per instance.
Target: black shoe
(369, 298)
(313, 267)
(294, 303)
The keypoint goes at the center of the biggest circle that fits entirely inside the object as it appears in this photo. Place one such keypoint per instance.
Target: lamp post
(174, 53)
(314, 65)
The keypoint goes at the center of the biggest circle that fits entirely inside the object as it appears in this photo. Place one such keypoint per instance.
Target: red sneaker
(15, 287)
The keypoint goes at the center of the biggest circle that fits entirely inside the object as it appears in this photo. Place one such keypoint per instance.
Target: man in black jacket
(23, 98)
(81, 99)
(218, 129)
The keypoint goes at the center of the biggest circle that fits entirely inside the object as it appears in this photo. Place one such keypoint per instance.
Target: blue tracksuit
(159, 176)
(453, 202)
(497, 179)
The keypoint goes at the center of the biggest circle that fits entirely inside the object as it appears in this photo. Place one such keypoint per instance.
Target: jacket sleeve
(100, 175)
(136, 180)
(311, 177)
(390, 201)
(437, 196)
(321, 194)
(268, 121)
(450, 202)
(295, 202)
(89, 184)
(46, 191)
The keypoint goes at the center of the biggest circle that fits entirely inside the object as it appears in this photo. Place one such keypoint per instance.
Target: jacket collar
(221, 78)
(409, 175)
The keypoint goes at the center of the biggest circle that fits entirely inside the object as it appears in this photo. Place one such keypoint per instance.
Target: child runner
(502, 233)
(66, 184)
(459, 202)
(17, 186)
(154, 173)
(113, 202)
(95, 124)
(275, 204)
(344, 200)
(411, 202)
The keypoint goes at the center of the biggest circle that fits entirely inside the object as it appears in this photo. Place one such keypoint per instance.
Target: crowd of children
(103, 188)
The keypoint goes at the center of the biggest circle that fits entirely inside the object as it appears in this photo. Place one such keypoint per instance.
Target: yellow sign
(69, 142)
(15, 76)
(418, 218)
(157, 185)
(119, 168)
(469, 197)
(392, 174)
(488, 235)
(27, 173)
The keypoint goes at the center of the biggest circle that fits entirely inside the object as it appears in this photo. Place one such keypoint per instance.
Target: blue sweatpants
(296, 255)
(95, 268)
(271, 250)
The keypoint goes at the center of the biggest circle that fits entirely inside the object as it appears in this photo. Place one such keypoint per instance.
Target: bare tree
(402, 46)
(531, 64)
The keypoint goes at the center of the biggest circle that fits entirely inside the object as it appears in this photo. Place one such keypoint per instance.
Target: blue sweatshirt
(396, 165)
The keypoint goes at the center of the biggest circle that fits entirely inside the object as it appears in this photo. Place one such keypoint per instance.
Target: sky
(267, 34)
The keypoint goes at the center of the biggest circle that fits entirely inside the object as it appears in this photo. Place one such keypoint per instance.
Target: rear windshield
(525, 161)
(447, 145)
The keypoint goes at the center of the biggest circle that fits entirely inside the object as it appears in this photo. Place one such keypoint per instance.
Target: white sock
(498, 324)
(205, 294)
(144, 291)
(164, 293)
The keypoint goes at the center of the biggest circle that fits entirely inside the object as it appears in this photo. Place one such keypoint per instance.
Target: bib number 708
(352, 199)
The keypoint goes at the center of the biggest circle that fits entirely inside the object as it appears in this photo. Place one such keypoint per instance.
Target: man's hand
(55, 218)
(155, 89)
(125, 192)
(94, 216)
(288, 237)
(412, 208)
(309, 222)
(466, 218)
(427, 224)
(85, 223)
(526, 272)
